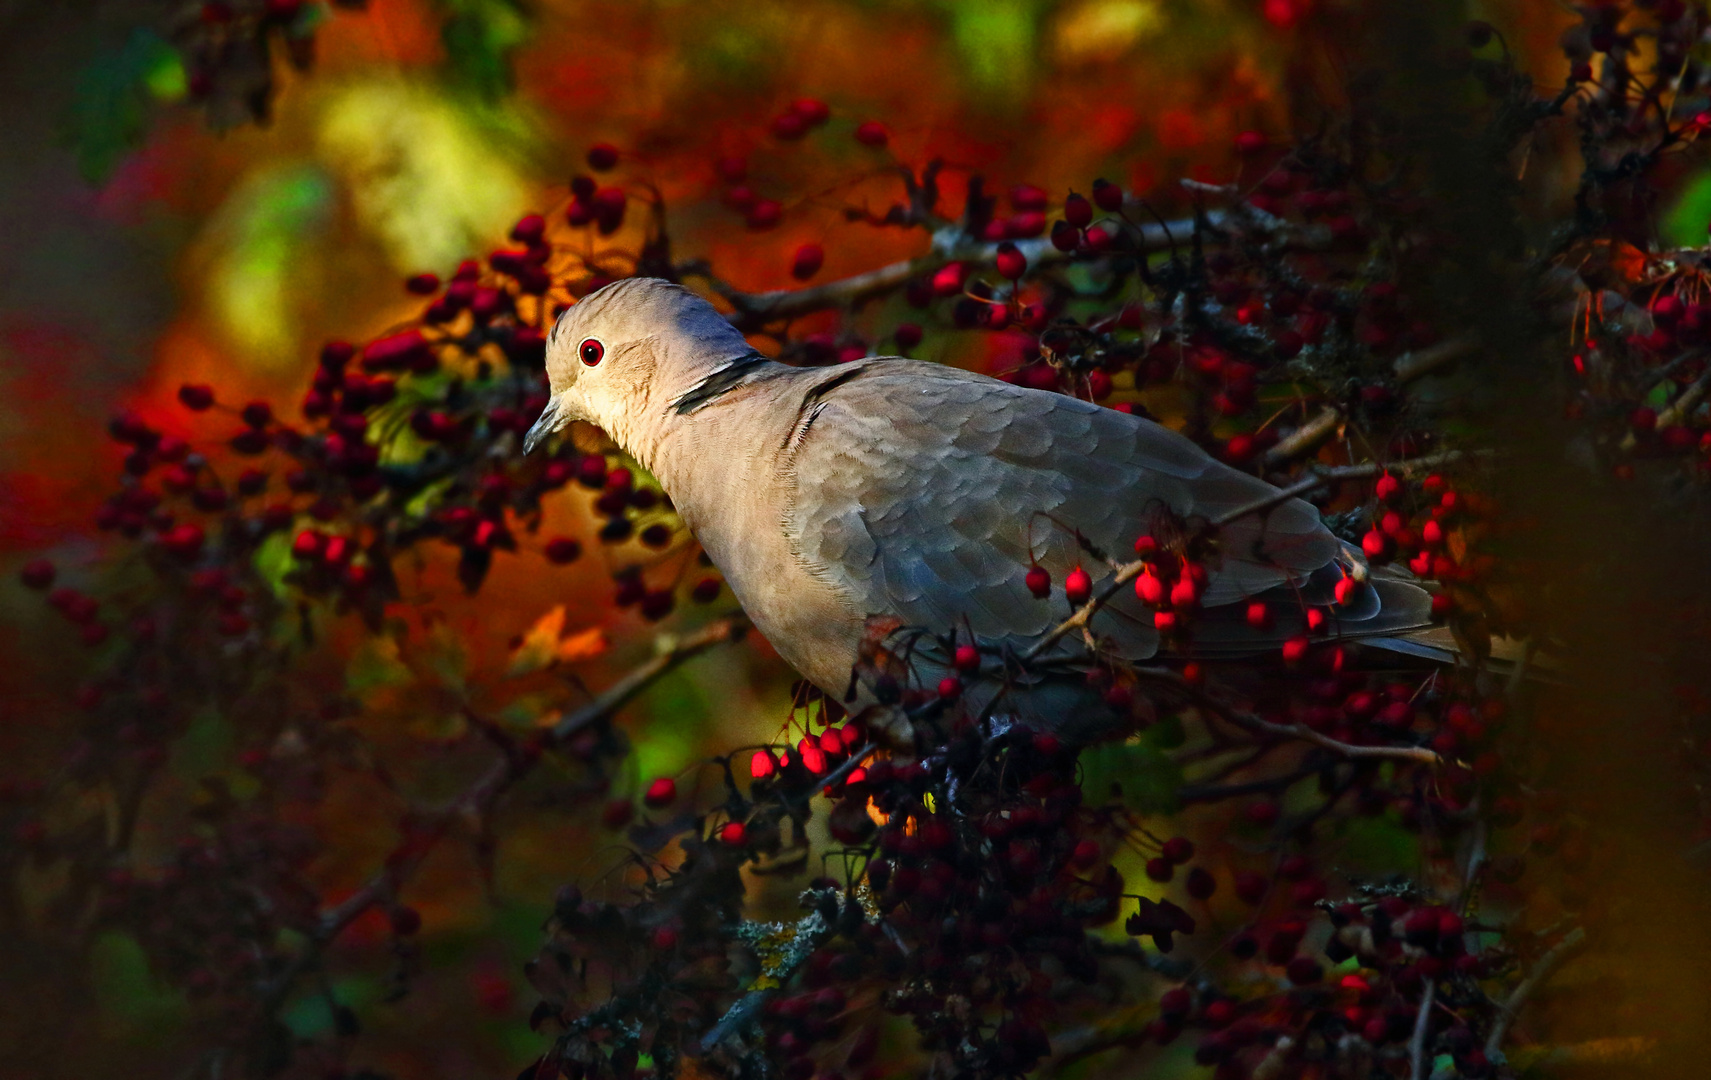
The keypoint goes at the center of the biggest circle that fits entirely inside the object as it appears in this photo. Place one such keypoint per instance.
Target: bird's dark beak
(552, 418)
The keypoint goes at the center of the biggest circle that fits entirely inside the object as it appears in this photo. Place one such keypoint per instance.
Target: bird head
(628, 347)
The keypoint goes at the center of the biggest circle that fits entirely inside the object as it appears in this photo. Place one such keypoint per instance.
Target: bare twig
(1261, 726)
(479, 798)
(1542, 971)
(1306, 438)
(950, 245)
(1422, 362)
(1422, 1024)
(1408, 367)
(1320, 477)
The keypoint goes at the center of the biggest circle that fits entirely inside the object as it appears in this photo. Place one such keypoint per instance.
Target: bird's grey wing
(927, 493)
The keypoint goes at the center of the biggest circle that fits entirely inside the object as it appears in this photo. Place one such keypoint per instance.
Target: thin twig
(1422, 1024)
(1542, 971)
(1422, 362)
(1408, 367)
(1321, 476)
(756, 309)
(1261, 726)
(480, 797)
(1306, 438)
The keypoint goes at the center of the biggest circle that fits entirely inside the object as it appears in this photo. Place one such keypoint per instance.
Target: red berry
(1259, 615)
(1078, 586)
(907, 335)
(949, 279)
(813, 111)
(1200, 883)
(563, 549)
(1249, 143)
(809, 259)
(871, 133)
(1150, 588)
(662, 792)
(1178, 849)
(765, 213)
(1010, 260)
(1160, 870)
(950, 688)
(196, 396)
(37, 574)
(1065, 237)
(789, 126)
(733, 834)
(1185, 594)
(1078, 211)
(762, 765)
(617, 813)
(1295, 650)
(732, 168)
(1388, 488)
(1039, 582)
(1086, 854)
(706, 590)
(1107, 196)
(967, 658)
(1347, 589)
(529, 229)
(602, 156)
(1376, 545)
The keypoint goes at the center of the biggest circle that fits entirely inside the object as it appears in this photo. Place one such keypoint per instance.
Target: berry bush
(1321, 860)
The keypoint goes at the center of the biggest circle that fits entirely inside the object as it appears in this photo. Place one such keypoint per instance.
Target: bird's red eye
(591, 351)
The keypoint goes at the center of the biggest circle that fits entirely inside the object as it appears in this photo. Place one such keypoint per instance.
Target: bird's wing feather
(927, 493)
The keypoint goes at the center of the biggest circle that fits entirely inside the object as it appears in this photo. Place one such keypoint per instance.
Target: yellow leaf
(544, 644)
(540, 643)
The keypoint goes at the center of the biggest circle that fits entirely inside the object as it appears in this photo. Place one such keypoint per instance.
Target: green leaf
(1138, 774)
(110, 114)
(1376, 845)
(128, 999)
(996, 39)
(1687, 221)
(480, 37)
(376, 665)
(1167, 734)
(273, 560)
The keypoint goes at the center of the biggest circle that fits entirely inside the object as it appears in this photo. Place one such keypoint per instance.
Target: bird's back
(928, 492)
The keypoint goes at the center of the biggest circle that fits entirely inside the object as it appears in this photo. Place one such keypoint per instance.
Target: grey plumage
(896, 487)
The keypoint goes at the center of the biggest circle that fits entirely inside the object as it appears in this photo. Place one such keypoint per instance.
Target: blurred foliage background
(141, 248)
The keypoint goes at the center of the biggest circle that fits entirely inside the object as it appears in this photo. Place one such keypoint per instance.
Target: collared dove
(897, 487)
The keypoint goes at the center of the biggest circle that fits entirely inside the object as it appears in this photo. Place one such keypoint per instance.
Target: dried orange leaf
(583, 645)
